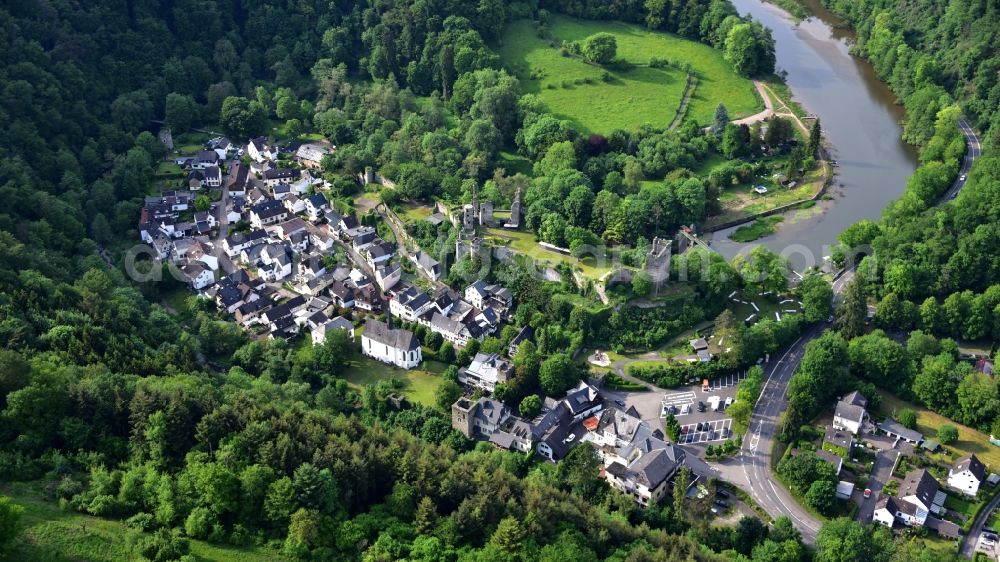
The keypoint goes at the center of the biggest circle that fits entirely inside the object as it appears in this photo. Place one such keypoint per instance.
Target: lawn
(969, 440)
(52, 535)
(419, 384)
(411, 212)
(167, 168)
(526, 243)
(764, 226)
(574, 90)
(514, 163)
(717, 82)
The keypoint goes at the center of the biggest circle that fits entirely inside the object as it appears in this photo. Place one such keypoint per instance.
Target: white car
(961, 177)
(569, 438)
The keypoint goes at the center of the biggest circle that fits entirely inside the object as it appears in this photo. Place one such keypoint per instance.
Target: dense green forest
(929, 268)
(121, 407)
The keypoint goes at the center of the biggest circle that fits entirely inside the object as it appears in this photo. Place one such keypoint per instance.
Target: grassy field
(764, 226)
(52, 535)
(515, 164)
(419, 384)
(574, 90)
(526, 243)
(412, 212)
(969, 440)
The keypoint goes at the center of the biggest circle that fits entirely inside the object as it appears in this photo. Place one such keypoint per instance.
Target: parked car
(699, 426)
(961, 177)
(729, 401)
(620, 403)
(721, 503)
(701, 406)
(868, 492)
(722, 493)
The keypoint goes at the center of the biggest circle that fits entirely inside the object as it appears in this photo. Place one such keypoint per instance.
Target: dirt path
(768, 106)
(692, 84)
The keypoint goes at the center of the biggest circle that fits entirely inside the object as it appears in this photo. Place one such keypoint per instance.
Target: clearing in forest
(594, 102)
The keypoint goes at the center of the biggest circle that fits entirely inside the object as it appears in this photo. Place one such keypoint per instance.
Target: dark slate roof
(349, 222)
(317, 200)
(393, 337)
(208, 156)
(891, 426)
(381, 250)
(281, 173)
(849, 411)
(838, 437)
(973, 465)
(526, 333)
(653, 468)
(896, 505)
(920, 483)
(493, 411)
(427, 262)
(580, 399)
(855, 398)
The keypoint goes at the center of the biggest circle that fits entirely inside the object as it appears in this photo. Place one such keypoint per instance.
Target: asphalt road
(753, 466)
(754, 461)
(970, 540)
(973, 150)
(881, 471)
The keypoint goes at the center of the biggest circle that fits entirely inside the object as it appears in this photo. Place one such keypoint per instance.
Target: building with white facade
(390, 345)
(967, 475)
(486, 371)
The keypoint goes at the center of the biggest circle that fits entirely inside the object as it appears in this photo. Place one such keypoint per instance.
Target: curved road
(752, 469)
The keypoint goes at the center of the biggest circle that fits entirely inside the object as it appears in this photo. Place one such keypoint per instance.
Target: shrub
(947, 434)
(908, 418)
(656, 62)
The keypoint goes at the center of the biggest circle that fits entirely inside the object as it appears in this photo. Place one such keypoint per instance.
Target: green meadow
(574, 90)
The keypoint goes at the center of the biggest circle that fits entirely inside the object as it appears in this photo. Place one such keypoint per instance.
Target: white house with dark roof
(918, 497)
(647, 478)
(378, 253)
(261, 151)
(197, 275)
(486, 371)
(278, 176)
(267, 213)
(409, 304)
(483, 295)
(850, 413)
(967, 474)
(637, 461)
(205, 159)
(315, 205)
(390, 345)
(388, 276)
(428, 265)
(320, 331)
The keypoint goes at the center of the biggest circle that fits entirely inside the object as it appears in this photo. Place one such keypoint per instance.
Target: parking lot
(704, 432)
(716, 425)
(726, 381)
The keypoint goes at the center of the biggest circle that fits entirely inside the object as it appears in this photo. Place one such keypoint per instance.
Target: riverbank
(811, 187)
(861, 128)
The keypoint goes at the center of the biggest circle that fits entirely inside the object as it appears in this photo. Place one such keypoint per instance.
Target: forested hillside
(122, 409)
(928, 51)
(929, 266)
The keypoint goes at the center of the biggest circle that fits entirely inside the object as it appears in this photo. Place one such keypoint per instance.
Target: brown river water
(861, 121)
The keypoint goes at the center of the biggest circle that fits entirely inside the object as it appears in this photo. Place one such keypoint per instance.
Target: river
(860, 119)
